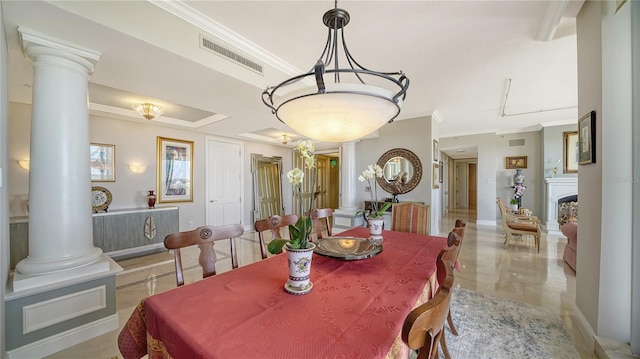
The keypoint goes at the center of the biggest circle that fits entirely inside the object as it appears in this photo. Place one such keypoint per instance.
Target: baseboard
(61, 341)
(584, 327)
(486, 223)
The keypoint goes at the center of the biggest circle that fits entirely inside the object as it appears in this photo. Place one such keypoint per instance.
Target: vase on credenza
(518, 178)
(299, 281)
(151, 199)
(375, 230)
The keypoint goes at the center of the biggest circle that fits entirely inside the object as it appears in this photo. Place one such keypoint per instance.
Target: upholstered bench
(570, 230)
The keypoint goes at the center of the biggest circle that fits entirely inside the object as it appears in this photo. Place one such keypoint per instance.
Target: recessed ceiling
(459, 56)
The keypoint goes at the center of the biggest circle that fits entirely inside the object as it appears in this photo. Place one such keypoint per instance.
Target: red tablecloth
(355, 310)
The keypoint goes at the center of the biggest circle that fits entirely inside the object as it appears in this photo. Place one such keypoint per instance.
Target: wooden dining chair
(204, 237)
(423, 327)
(410, 217)
(448, 257)
(322, 219)
(273, 224)
(451, 254)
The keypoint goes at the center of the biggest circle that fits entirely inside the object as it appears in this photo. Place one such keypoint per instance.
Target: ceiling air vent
(518, 142)
(230, 55)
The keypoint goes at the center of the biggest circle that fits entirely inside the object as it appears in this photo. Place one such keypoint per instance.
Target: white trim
(28, 36)
(486, 223)
(201, 21)
(554, 13)
(57, 310)
(133, 115)
(69, 338)
(584, 327)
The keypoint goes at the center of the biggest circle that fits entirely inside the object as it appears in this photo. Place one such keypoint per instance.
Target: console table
(120, 233)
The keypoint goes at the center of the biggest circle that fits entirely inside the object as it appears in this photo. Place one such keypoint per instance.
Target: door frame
(208, 139)
(334, 151)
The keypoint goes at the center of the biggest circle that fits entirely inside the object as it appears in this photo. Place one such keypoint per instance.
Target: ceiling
(475, 66)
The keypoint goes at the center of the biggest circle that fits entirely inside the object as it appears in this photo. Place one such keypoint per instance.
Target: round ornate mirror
(401, 171)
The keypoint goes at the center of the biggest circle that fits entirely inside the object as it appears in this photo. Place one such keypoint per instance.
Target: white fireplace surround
(557, 188)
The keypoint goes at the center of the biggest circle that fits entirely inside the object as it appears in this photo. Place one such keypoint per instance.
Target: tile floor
(517, 273)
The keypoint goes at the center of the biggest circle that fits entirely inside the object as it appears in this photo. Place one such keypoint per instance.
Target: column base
(344, 219)
(62, 312)
(29, 266)
(22, 281)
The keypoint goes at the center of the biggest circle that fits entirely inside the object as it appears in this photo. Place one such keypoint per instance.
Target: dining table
(355, 309)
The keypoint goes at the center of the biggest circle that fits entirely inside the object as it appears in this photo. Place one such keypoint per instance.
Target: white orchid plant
(372, 173)
(299, 232)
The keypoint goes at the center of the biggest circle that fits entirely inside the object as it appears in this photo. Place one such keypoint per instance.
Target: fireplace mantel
(557, 187)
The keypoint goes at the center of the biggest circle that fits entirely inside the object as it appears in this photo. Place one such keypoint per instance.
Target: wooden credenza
(120, 233)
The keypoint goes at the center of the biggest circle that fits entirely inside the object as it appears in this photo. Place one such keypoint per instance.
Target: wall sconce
(147, 110)
(137, 168)
(24, 164)
(284, 139)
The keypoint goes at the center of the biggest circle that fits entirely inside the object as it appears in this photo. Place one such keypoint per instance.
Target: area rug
(495, 328)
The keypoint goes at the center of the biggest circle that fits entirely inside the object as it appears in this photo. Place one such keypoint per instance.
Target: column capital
(34, 43)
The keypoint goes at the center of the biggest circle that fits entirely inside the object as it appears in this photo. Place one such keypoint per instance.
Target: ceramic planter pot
(299, 270)
(375, 230)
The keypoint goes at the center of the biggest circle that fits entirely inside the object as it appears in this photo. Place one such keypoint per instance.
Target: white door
(224, 183)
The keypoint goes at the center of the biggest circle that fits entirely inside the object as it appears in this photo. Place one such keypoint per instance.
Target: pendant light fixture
(341, 106)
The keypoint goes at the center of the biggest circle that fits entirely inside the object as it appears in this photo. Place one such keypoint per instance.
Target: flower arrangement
(518, 191)
(301, 231)
(371, 173)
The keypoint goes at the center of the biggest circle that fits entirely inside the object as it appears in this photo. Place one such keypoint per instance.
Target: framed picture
(587, 138)
(103, 162)
(435, 150)
(175, 170)
(570, 152)
(436, 173)
(441, 169)
(516, 162)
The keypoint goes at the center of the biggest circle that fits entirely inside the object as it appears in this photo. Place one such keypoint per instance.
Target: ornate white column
(344, 217)
(60, 218)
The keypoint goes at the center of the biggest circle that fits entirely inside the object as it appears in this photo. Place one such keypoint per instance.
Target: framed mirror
(401, 171)
(267, 186)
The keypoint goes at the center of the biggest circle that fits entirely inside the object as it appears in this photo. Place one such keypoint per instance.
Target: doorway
(465, 184)
(473, 185)
(326, 192)
(223, 182)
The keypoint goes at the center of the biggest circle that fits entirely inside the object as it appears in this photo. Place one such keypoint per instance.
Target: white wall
(4, 192)
(487, 167)
(414, 135)
(136, 143)
(603, 278)
(552, 149)
(614, 317)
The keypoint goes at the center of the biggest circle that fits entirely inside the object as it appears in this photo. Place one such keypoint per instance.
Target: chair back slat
(272, 224)
(204, 237)
(321, 219)
(410, 217)
(424, 326)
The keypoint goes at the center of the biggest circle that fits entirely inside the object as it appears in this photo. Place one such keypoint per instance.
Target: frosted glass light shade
(147, 110)
(344, 113)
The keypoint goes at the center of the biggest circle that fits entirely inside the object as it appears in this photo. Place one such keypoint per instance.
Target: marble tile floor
(517, 273)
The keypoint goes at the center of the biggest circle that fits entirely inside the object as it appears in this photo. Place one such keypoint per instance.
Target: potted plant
(374, 217)
(299, 249)
(513, 204)
(518, 191)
